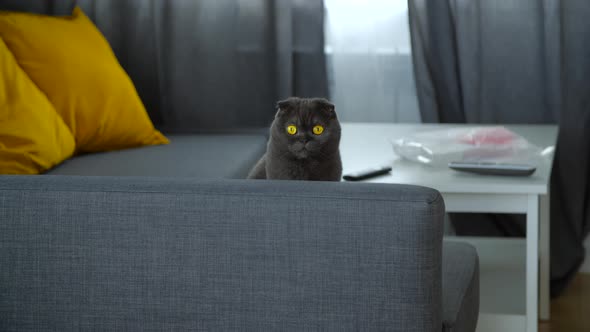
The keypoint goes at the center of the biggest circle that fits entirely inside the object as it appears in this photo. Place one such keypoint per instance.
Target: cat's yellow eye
(292, 130)
(318, 130)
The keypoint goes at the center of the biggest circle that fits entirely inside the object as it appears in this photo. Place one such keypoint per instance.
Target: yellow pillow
(73, 64)
(33, 137)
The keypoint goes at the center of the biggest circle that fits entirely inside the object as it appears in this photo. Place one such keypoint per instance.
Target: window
(369, 60)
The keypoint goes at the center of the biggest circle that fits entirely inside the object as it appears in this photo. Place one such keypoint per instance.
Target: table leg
(544, 272)
(532, 263)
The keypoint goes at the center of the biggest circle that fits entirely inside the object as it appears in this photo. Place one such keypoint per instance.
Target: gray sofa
(204, 156)
(169, 238)
(162, 253)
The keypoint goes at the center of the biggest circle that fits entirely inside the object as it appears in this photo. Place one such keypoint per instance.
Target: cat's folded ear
(284, 105)
(326, 106)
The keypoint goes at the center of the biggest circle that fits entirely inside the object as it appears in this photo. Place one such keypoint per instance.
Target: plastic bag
(474, 144)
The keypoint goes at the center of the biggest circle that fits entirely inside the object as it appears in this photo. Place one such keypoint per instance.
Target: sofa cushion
(460, 280)
(199, 156)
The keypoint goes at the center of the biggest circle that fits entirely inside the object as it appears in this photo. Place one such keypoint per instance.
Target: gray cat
(304, 143)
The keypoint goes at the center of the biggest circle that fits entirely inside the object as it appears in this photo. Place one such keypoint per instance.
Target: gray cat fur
(303, 156)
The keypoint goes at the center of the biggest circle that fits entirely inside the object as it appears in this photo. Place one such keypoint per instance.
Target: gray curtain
(50, 7)
(517, 61)
(210, 65)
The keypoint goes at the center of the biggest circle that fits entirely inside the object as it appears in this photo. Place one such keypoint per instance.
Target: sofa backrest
(107, 253)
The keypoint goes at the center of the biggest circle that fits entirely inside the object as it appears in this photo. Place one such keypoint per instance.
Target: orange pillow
(33, 137)
(73, 64)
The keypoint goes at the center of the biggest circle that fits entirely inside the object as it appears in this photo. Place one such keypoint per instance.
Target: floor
(571, 311)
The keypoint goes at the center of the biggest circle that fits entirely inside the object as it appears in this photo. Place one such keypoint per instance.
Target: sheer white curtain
(369, 60)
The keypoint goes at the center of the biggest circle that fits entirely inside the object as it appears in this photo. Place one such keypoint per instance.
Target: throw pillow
(33, 137)
(73, 64)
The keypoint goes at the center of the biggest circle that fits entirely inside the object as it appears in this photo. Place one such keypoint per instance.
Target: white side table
(506, 264)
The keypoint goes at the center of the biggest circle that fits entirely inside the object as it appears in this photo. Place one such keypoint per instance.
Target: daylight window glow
(367, 26)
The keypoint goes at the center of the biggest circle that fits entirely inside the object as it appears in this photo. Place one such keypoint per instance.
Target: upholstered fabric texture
(460, 284)
(33, 137)
(163, 254)
(72, 63)
(196, 156)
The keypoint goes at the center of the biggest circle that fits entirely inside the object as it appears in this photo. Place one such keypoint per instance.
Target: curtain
(369, 61)
(51, 7)
(517, 61)
(204, 65)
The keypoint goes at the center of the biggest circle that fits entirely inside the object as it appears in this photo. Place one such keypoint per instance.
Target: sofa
(176, 253)
(171, 237)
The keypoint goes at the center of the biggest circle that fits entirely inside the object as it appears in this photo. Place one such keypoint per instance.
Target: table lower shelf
(502, 282)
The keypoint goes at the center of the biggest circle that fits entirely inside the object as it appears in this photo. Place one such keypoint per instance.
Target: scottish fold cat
(304, 143)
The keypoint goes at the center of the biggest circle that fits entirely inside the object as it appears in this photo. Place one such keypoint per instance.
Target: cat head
(306, 128)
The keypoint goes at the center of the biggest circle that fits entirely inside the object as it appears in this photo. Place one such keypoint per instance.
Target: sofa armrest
(460, 287)
(113, 253)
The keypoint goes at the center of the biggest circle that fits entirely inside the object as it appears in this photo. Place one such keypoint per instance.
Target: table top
(368, 145)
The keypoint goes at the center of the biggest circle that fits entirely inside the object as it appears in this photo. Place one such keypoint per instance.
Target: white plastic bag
(477, 144)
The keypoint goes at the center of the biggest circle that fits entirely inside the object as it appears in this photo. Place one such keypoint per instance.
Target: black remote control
(488, 168)
(367, 174)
